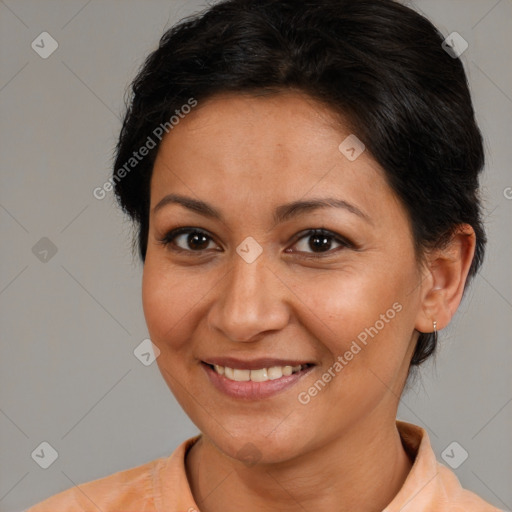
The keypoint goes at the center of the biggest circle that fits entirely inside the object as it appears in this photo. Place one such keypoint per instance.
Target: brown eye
(321, 241)
(187, 239)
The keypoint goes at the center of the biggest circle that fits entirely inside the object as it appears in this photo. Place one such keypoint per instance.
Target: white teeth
(275, 372)
(287, 370)
(260, 375)
(242, 375)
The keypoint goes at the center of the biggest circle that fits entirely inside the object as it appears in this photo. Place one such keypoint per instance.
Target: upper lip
(253, 364)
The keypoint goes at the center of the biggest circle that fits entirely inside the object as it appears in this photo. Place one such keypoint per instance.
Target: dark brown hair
(377, 63)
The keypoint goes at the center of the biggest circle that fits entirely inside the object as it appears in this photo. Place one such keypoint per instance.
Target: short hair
(377, 63)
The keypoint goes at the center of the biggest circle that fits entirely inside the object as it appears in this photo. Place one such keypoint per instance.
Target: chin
(266, 444)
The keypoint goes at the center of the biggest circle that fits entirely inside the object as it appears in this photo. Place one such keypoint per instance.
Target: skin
(246, 155)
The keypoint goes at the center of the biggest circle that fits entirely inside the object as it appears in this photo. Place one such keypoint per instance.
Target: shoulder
(430, 485)
(460, 499)
(128, 490)
(157, 485)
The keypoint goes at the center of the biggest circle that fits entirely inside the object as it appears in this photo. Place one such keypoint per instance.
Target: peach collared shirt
(162, 486)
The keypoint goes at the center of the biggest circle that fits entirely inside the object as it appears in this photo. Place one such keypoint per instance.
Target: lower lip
(253, 390)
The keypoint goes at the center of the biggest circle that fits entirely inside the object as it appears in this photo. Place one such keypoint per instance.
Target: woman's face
(248, 286)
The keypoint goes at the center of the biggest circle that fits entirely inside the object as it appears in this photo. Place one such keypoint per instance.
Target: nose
(250, 302)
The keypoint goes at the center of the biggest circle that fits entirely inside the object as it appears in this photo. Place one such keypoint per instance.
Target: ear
(445, 275)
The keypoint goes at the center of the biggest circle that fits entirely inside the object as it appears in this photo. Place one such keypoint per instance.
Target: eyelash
(168, 239)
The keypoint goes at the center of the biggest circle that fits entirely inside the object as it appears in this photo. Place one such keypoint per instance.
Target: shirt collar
(426, 480)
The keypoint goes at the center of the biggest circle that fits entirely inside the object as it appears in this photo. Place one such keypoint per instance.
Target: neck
(362, 470)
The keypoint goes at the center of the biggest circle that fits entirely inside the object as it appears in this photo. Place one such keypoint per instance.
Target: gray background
(69, 325)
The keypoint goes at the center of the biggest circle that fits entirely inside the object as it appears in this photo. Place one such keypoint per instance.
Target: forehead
(241, 150)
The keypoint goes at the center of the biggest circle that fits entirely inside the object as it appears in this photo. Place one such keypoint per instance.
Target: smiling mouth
(257, 375)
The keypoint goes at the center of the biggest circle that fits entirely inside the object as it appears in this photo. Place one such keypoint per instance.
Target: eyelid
(169, 236)
(343, 241)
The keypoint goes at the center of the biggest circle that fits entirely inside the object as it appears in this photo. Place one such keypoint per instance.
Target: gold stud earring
(435, 326)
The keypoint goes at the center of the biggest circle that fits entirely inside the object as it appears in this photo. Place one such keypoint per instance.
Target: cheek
(364, 317)
(363, 325)
(345, 302)
(168, 300)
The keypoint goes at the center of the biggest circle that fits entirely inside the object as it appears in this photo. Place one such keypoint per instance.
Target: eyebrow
(281, 214)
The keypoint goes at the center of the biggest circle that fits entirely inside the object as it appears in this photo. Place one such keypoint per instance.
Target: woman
(304, 178)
